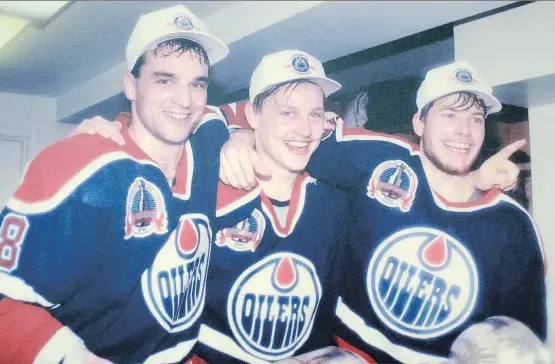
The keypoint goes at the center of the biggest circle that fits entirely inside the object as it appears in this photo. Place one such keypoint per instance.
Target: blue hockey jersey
(417, 270)
(96, 235)
(270, 284)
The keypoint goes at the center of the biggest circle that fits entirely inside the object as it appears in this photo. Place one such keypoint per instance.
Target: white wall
(27, 124)
(32, 116)
(510, 46)
(515, 51)
(542, 132)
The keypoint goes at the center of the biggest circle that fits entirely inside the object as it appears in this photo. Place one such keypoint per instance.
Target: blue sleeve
(55, 230)
(347, 155)
(51, 252)
(207, 142)
(522, 288)
(212, 133)
(334, 279)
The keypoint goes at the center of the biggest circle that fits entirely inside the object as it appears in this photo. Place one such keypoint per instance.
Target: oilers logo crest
(174, 286)
(422, 283)
(272, 305)
(393, 184)
(146, 210)
(464, 76)
(182, 22)
(299, 63)
(246, 235)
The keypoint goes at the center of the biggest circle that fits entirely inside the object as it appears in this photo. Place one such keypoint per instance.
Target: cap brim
(492, 103)
(328, 85)
(215, 48)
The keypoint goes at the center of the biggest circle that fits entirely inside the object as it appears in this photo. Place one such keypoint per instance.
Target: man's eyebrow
(457, 109)
(450, 108)
(163, 74)
(287, 107)
(201, 79)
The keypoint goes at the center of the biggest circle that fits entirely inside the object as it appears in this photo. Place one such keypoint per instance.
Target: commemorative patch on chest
(272, 305)
(422, 283)
(393, 184)
(145, 210)
(245, 236)
(174, 286)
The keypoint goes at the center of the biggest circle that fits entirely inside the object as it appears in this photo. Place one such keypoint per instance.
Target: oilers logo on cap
(174, 285)
(464, 76)
(422, 283)
(245, 236)
(182, 22)
(272, 305)
(300, 64)
(393, 184)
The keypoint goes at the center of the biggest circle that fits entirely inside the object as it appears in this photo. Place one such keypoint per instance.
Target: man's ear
(252, 117)
(417, 124)
(130, 86)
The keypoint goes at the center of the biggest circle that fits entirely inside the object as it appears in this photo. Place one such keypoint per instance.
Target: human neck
(452, 187)
(166, 155)
(279, 186)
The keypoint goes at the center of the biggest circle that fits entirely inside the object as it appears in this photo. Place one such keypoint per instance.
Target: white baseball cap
(455, 77)
(171, 23)
(289, 65)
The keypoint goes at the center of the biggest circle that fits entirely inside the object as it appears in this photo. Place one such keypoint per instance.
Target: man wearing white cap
(427, 253)
(105, 249)
(270, 294)
(438, 254)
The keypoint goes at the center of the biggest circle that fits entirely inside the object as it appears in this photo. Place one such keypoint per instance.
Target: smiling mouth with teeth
(297, 144)
(297, 147)
(459, 147)
(176, 115)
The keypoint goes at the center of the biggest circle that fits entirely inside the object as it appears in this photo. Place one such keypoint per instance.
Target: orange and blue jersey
(270, 294)
(97, 246)
(418, 269)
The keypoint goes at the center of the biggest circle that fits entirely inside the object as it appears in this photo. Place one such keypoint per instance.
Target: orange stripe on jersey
(347, 134)
(196, 360)
(230, 198)
(25, 331)
(345, 345)
(296, 206)
(58, 163)
(485, 199)
(125, 119)
(235, 114)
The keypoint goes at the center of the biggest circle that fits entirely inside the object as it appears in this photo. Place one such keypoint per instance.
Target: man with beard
(428, 254)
